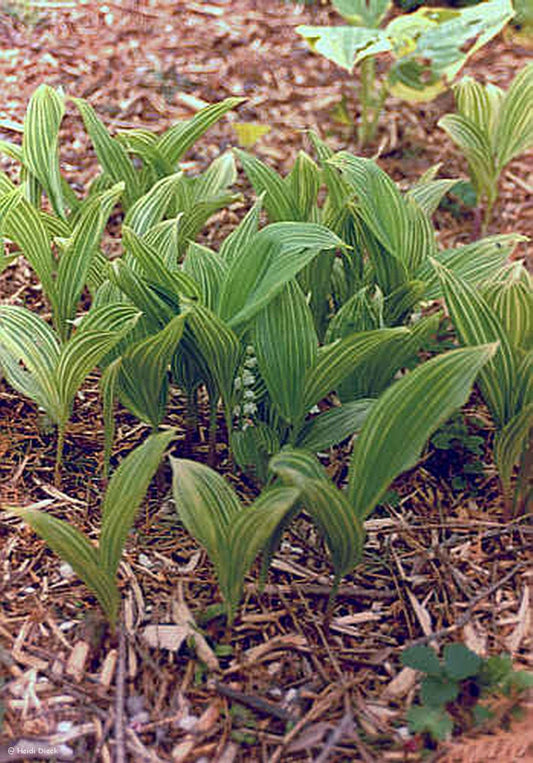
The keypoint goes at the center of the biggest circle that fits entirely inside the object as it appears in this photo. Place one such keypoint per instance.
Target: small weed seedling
(458, 686)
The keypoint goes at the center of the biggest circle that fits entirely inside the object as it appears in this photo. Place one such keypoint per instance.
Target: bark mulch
(290, 681)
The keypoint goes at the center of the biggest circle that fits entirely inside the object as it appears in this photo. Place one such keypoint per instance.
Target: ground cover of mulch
(289, 682)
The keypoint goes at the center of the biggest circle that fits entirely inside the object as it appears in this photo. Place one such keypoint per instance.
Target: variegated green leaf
(243, 233)
(403, 419)
(476, 324)
(30, 353)
(334, 425)
(125, 491)
(177, 140)
(77, 257)
(286, 345)
(304, 182)
(111, 154)
(510, 443)
(74, 548)
(143, 375)
(514, 132)
(40, 150)
(206, 268)
(337, 360)
(477, 149)
(150, 209)
(279, 200)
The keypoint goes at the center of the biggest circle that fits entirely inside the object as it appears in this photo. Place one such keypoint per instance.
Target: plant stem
(371, 104)
(59, 454)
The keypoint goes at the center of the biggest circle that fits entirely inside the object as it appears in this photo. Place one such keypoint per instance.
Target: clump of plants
(457, 691)
(458, 451)
(429, 47)
(491, 127)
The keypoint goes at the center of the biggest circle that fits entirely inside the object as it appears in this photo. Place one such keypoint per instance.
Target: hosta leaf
(40, 151)
(335, 361)
(150, 209)
(74, 548)
(344, 45)
(286, 346)
(365, 13)
(111, 154)
(177, 140)
(476, 323)
(248, 535)
(403, 419)
(206, 505)
(335, 425)
(514, 133)
(143, 376)
(125, 491)
(279, 199)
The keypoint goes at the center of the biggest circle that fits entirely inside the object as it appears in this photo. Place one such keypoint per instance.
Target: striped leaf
(428, 195)
(510, 443)
(177, 140)
(143, 375)
(111, 154)
(108, 389)
(164, 238)
(206, 268)
(150, 209)
(476, 323)
(206, 505)
(337, 360)
(248, 536)
(514, 133)
(143, 144)
(124, 494)
(22, 224)
(242, 235)
(511, 300)
(77, 257)
(279, 200)
(404, 418)
(473, 263)
(396, 221)
(286, 344)
(30, 353)
(334, 425)
(169, 282)
(156, 311)
(304, 182)
(273, 257)
(74, 548)
(40, 149)
(476, 147)
(82, 353)
(217, 347)
(342, 529)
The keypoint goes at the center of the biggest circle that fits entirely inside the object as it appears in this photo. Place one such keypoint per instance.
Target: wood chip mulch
(289, 682)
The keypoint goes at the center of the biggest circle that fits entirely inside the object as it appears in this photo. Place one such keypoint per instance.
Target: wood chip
(77, 661)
